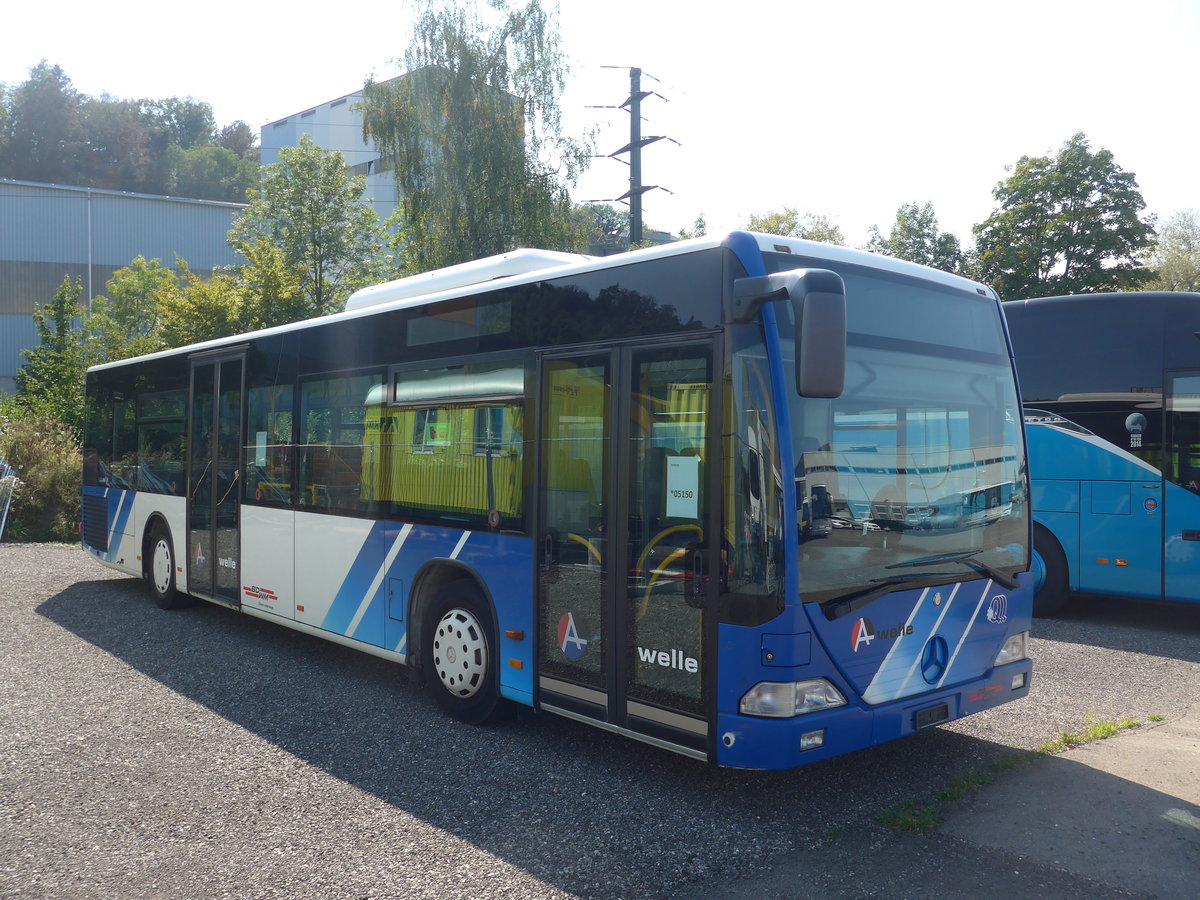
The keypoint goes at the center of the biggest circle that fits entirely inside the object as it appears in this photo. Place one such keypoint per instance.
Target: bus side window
(124, 445)
(267, 455)
(334, 417)
(1183, 432)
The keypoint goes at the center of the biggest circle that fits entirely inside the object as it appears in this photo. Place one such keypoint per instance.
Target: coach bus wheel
(160, 569)
(459, 656)
(1050, 574)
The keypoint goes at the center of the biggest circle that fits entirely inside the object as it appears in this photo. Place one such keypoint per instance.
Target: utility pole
(635, 156)
(634, 149)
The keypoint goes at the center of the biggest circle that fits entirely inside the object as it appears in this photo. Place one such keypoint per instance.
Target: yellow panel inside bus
(576, 437)
(452, 458)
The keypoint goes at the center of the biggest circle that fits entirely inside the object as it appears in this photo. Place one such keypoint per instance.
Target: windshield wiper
(964, 557)
(847, 603)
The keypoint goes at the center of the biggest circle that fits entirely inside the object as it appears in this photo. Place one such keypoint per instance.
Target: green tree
(184, 122)
(240, 138)
(309, 207)
(271, 289)
(45, 133)
(604, 225)
(123, 322)
(116, 151)
(4, 127)
(474, 135)
(1067, 224)
(50, 382)
(916, 237)
(1175, 258)
(699, 228)
(789, 222)
(51, 132)
(210, 173)
(202, 310)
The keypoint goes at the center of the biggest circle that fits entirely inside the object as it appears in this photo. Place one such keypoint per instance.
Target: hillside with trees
(51, 132)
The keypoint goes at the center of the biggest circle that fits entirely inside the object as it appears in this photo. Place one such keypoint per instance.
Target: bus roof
(531, 265)
(1063, 301)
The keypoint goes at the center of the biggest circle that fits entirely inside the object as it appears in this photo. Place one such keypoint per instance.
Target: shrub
(46, 456)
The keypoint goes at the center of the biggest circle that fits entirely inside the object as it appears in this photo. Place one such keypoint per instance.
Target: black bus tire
(459, 655)
(1052, 597)
(160, 568)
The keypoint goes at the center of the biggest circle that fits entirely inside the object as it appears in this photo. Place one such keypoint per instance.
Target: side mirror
(818, 299)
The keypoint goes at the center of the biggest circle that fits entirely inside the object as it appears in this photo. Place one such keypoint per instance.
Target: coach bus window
(1183, 432)
(333, 418)
(267, 456)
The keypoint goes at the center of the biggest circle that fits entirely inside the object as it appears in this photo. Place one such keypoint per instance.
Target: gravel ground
(203, 753)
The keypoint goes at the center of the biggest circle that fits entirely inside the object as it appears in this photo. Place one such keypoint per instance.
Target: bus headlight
(785, 699)
(1015, 649)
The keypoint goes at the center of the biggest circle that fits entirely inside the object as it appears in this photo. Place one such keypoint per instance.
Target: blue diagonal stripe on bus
(378, 586)
(929, 629)
(120, 520)
(970, 624)
(894, 679)
(422, 544)
(358, 579)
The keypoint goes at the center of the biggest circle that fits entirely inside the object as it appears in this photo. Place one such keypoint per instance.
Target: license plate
(935, 715)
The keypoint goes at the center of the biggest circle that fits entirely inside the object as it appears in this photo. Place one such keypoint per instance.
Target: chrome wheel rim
(460, 655)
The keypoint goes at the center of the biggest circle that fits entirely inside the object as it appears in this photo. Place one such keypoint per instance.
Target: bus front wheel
(1051, 587)
(459, 654)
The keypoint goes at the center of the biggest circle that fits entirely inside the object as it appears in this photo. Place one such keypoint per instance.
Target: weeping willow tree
(473, 134)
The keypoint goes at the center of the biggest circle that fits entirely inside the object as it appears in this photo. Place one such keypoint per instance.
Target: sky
(846, 110)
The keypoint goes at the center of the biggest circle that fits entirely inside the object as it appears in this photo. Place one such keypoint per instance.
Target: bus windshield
(916, 475)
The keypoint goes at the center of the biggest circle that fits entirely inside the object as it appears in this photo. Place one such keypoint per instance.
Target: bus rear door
(214, 509)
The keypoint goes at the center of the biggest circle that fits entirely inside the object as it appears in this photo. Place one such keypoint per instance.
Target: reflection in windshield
(916, 474)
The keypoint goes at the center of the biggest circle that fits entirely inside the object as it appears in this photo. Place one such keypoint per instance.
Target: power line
(633, 104)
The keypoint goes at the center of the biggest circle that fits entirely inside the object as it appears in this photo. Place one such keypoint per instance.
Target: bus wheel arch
(1051, 574)
(159, 561)
(454, 623)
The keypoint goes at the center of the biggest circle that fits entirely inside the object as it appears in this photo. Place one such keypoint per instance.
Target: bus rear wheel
(459, 655)
(1051, 588)
(160, 568)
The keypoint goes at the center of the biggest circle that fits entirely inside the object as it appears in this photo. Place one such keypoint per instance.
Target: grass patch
(1156, 718)
(910, 817)
(1094, 731)
(921, 816)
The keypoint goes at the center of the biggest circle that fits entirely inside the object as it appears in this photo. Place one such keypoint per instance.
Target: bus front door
(214, 513)
(627, 541)
(1181, 467)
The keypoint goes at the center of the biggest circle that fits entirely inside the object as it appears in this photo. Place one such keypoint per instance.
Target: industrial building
(336, 125)
(48, 231)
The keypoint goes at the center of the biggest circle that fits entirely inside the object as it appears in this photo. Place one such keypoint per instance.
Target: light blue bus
(1111, 386)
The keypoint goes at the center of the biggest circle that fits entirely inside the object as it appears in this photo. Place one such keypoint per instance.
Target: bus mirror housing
(818, 300)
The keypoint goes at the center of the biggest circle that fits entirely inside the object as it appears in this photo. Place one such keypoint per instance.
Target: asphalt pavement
(1117, 817)
(202, 753)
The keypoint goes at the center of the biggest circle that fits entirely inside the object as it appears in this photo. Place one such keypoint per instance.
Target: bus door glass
(669, 538)
(626, 539)
(573, 585)
(214, 513)
(1181, 467)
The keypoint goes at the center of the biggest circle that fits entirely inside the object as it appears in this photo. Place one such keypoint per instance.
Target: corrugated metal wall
(50, 231)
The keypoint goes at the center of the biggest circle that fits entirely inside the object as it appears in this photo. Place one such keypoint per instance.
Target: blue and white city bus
(720, 496)
(1112, 382)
